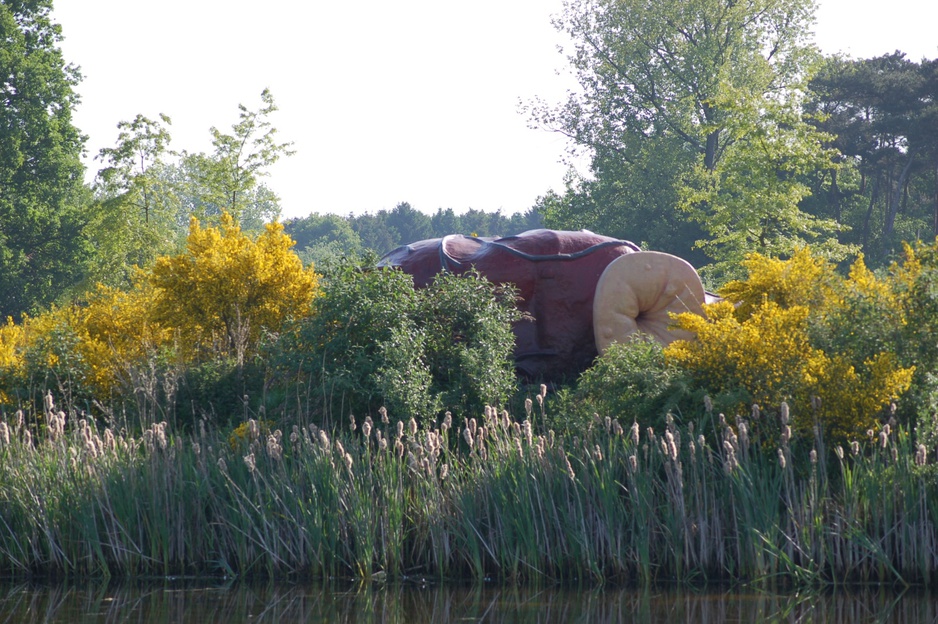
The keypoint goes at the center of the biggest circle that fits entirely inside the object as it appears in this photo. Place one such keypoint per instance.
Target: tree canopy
(690, 106)
(44, 244)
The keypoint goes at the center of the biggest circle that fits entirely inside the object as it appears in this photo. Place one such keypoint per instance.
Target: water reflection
(204, 602)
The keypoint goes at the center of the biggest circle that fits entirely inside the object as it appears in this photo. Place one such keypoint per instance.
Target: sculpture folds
(582, 290)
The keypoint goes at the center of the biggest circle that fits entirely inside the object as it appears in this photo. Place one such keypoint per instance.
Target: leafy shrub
(631, 381)
(183, 324)
(795, 330)
(374, 340)
(227, 289)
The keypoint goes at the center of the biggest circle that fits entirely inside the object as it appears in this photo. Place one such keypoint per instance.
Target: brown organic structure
(559, 275)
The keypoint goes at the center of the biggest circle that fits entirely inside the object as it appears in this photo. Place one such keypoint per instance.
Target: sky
(385, 102)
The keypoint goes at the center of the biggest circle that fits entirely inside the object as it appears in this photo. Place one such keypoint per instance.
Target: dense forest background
(711, 131)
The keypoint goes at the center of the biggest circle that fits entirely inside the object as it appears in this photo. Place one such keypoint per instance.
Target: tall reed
(488, 497)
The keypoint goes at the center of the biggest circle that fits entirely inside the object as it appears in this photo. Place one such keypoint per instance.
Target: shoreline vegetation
(485, 499)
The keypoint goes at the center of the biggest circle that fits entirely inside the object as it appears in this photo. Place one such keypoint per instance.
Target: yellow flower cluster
(221, 294)
(762, 339)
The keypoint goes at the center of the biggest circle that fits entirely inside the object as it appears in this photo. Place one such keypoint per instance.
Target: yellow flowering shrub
(117, 333)
(768, 354)
(804, 280)
(226, 289)
(795, 330)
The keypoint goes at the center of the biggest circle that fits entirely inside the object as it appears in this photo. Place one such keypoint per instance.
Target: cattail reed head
(708, 403)
(399, 448)
(467, 436)
(447, 421)
(921, 455)
(249, 462)
(4, 434)
(412, 427)
(400, 429)
(348, 462)
(670, 446)
(366, 429)
(784, 414)
(633, 463)
(48, 401)
(781, 459)
(813, 455)
(543, 392)
(756, 412)
(274, 450)
(884, 437)
(324, 440)
(383, 413)
(528, 407)
(528, 432)
(444, 471)
(351, 422)
(854, 448)
(839, 451)
(222, 465)
(617, 428)
(634, 433)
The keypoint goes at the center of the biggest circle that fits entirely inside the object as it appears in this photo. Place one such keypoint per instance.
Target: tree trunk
(895, 197)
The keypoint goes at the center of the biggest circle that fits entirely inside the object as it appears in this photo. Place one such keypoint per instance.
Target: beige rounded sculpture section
(638, 292)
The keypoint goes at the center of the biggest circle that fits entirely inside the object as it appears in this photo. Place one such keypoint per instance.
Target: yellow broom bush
(795, 330)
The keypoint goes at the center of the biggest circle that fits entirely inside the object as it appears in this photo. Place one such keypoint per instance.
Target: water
(187, 601)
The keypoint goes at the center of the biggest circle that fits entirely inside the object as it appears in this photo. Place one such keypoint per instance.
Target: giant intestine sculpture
(580, 291)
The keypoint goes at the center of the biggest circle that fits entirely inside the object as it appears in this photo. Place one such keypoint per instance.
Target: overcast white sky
(412, 100)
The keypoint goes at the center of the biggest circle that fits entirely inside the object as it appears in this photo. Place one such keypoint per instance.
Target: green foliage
(44, 242)
(373, 340)
(882, 116)
(631, 382)
(228, 180)
(694, 107)
(467, 321)
(135, 220)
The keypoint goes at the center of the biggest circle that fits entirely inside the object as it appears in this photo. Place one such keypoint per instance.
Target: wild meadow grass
(485, 498)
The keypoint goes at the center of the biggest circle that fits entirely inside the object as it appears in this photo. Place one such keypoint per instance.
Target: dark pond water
(172, 602)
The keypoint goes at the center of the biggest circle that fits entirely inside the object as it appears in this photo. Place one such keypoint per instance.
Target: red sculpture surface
(555, 272)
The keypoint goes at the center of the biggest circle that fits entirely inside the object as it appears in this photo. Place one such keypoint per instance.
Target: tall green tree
(230, 178)
(44, 245)
(136, 220)
(883, 115)
(689, 112)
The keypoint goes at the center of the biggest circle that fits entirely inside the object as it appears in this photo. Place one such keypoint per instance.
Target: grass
(487, 498)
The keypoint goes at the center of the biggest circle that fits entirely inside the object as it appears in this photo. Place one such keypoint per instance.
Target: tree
(883, 115)
(681, 104)
(228, 179)
(323, 238)
(226, 290)
(44, 244)
(137, 206)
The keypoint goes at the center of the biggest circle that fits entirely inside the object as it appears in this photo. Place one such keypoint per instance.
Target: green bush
(374, 340)
(631, 381)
